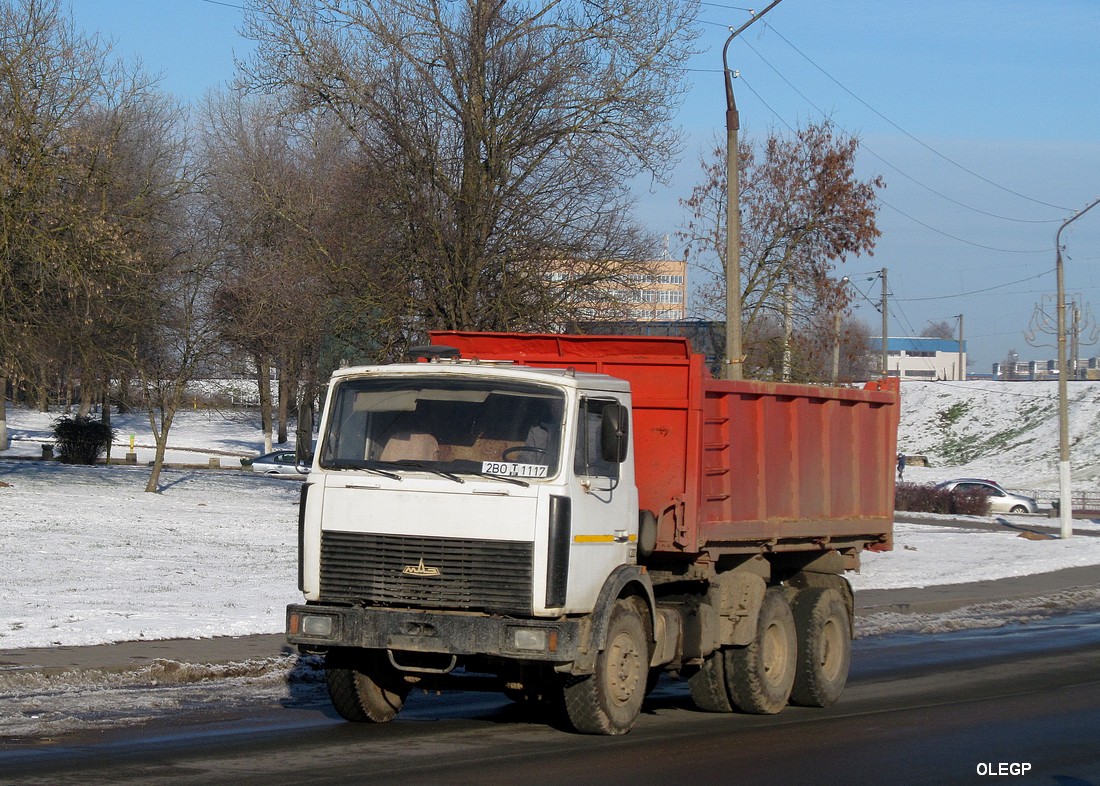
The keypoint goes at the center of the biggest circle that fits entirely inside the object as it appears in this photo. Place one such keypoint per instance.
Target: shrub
(969, 503)
(921, 498)
(926, 498)
(81, 439)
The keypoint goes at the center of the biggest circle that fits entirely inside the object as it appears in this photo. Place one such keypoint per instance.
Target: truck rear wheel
(760, 675)
(824, 647)
(609, 700)
(366, 689)
(708, 685)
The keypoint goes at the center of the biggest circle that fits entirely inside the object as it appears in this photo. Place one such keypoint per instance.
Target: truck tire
(760, 675)
(824, 647)
(370, 691)
(609, 700)
(708, 685)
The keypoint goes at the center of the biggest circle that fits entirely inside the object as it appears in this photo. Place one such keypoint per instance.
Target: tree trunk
(263, 374)
(304, 433)
(284, 401)
(85, 401)
(123, 395)
(161, 436)
(4, 444)
(105, 419)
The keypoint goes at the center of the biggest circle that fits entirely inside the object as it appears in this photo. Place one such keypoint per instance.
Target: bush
(969, 503)
(926, 498)
(81, 439)
(921, 498)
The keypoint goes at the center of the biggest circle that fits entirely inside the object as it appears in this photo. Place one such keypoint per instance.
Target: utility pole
(788, 330)
(836, 349)
(836, 339)
(962, 364)
(733, 366)
(885, 327)
(1075, 340)
(1065, 500)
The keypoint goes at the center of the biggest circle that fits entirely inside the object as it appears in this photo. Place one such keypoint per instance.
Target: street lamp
(733, 366)
(1065, 502)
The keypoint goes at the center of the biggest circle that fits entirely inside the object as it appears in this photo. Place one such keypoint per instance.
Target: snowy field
(89, 557)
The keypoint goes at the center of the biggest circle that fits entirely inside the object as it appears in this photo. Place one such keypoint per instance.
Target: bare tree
(803, 210)
(183, 335)
(77, 183)
(276, 192)
(940, 329)
(506, 134)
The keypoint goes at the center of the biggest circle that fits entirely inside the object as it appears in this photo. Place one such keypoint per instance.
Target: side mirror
(614, 431)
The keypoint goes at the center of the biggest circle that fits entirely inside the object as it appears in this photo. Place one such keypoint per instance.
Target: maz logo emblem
(421, 570)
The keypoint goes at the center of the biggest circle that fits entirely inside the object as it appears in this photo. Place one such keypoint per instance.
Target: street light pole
(1065, 502)
(733, 366)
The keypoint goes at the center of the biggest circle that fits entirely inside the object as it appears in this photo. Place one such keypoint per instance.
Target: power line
(927, 226)
(897, 169)
(959, 239)
(227, 5)
(729, 7)
(977, 291)
(906, 133)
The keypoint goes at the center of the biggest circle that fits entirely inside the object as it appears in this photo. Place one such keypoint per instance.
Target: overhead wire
(898, 210)
(979, 291)
(892, 166)
(916, 139)
(780, 118)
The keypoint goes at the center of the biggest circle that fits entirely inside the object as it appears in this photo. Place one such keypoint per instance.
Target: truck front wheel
(608, 701)
(366, 688)
(824, 647)
(760, 675)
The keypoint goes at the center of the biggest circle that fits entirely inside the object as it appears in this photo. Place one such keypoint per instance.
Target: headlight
(317, 626)
(535, 639)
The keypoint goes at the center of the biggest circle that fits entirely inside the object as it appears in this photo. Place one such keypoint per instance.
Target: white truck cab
(438, 486)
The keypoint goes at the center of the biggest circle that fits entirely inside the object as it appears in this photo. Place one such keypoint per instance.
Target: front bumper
(319, 626)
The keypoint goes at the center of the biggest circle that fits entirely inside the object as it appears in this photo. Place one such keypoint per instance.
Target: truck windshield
(444, 425)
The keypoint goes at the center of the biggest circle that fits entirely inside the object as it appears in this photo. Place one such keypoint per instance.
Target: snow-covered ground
(89, 557)
(1007, 431)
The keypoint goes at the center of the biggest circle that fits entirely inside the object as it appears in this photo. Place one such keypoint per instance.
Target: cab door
(604, 527)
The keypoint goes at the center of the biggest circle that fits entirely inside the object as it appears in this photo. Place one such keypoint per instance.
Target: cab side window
(588, 458)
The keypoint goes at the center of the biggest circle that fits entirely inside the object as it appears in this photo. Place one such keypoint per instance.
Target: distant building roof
(918, 344)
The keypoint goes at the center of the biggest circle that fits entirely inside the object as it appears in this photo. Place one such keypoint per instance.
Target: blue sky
(983, 116)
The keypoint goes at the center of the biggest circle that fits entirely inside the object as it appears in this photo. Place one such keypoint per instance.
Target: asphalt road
(128, 655)
(945, 708)
(940, 709)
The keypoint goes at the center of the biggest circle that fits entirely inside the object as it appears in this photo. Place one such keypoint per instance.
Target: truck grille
(438, 573)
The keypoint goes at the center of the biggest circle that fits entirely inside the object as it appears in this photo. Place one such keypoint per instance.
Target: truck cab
(471, 487)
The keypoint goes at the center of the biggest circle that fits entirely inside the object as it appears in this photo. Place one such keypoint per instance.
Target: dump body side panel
(734, 466)
(789, 464)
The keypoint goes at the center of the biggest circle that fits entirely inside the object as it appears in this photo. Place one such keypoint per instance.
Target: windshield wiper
(406, 463)
(505, 478)
(350, 464)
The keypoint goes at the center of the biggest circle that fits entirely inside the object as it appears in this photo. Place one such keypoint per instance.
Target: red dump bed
(734, 466)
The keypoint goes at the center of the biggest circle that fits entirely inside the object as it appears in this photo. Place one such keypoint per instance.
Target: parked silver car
(280, 462)
(1000, 500)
